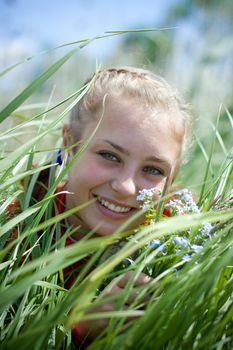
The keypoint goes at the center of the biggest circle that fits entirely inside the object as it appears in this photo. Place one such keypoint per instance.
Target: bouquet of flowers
(176, 249)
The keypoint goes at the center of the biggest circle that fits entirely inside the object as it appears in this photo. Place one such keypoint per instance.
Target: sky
(50, 23)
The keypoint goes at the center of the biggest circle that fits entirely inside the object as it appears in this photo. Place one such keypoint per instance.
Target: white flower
(184, 204)
(205, 230)
(186, 257)
(181, 241)
(196, 248)
(155, 243)
(147, 196)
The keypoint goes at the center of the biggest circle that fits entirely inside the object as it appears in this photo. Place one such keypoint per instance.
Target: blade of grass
(7, 162)
(17, 101)
(209, 160)
(83, 43)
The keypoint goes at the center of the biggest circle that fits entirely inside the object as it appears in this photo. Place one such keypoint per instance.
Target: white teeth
(114, 207)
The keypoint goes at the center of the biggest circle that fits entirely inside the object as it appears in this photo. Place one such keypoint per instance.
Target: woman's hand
(92, 328)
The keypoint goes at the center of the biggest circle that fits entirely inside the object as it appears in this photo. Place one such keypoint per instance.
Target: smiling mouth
(113, 207)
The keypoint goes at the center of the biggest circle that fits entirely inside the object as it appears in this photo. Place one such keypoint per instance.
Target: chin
(108, 230)
(104, 232)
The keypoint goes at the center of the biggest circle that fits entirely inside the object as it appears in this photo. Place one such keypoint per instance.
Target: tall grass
(190, 303)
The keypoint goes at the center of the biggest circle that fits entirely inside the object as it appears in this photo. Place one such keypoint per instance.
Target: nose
(124, 185)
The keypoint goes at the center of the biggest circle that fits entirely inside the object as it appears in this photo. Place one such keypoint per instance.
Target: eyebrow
(119, 148)
(126, 152)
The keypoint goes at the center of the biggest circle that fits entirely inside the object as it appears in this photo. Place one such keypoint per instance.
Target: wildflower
(181, 241)
(183, 203)
(176, 207)
(186, 257)
(196, 248)
(205, 230)
(146, 194)
(181, 247)
(155, 243)
(147, 197)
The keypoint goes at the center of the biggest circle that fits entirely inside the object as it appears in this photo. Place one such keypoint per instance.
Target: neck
(75, 221)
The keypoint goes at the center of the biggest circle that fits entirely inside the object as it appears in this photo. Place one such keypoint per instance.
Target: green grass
(190, 303)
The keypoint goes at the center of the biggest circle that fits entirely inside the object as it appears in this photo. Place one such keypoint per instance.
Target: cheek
(158, 182)
(87, 175)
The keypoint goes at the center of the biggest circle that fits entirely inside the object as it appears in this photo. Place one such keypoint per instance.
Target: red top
(78, 340)
(71, 271)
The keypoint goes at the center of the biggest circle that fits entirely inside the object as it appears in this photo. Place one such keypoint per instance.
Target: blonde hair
(141, 84)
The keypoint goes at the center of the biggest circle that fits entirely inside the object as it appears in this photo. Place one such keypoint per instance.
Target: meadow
(190, 256)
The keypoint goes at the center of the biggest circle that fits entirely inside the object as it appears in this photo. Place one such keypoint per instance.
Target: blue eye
(151, 170)
(109, 156)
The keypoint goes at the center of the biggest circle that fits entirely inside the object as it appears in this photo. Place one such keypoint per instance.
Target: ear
(66, 136)
(67, 139)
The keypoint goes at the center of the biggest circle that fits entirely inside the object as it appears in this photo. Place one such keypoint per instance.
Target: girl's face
(135, 147)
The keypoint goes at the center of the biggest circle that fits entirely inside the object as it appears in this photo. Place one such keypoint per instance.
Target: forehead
(137, 125)
(123, 113)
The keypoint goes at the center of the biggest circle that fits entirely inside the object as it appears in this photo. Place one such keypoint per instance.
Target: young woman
(142, 130)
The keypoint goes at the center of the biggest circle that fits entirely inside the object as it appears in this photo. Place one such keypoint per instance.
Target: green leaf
(15, 103)
(16, 220)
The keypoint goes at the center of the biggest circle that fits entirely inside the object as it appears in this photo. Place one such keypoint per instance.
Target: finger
(142, 278)
(91, 328)
(114, 290)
